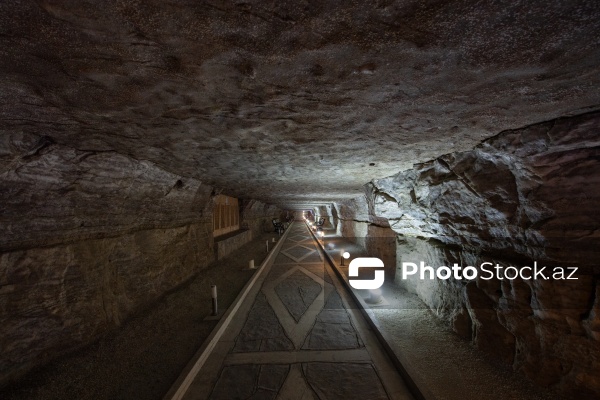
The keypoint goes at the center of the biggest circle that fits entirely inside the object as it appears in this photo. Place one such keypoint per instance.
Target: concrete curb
(185, 379)
(415, 384)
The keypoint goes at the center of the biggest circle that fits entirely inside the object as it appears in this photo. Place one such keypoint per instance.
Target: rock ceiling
(290, 101)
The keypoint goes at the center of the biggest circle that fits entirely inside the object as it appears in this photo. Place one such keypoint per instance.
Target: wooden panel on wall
(226, 215)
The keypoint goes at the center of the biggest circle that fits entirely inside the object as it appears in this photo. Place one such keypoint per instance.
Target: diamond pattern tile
(297, 238)
(297, 292)
(298, 253)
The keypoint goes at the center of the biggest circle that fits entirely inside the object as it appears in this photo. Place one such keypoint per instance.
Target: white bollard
(375, 296)
(215, 309)
(267, 246)
(273, 240)
(345, 256)
(251, 264)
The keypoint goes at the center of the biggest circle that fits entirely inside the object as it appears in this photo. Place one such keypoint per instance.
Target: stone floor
(297, 336)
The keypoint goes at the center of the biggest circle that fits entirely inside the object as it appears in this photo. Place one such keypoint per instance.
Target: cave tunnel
(391, 199)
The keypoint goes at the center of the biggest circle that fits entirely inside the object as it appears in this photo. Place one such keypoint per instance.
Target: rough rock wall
(525, 195)
(276, 100)
(356, 222)
(88, 238)
(380, 242)
(51, 194)
(58, 298)
(258, 216)
(326, 212)
(352, 218)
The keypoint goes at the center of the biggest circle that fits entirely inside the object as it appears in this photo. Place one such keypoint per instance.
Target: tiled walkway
(297, 337)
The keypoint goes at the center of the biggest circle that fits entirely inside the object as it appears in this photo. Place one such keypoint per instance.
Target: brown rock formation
(522, 196)
(90, 238)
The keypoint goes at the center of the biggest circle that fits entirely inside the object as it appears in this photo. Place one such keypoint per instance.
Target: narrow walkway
(297, 337)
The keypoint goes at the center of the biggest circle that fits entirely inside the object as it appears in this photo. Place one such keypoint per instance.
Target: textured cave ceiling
(291, 101)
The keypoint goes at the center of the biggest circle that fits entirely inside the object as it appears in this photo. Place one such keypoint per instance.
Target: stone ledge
(226, 244)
